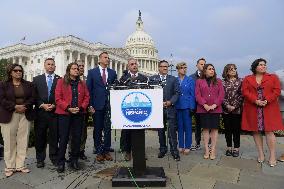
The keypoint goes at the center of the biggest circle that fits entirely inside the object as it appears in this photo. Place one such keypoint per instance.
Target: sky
(221, 31)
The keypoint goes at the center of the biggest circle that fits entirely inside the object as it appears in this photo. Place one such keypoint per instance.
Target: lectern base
(153, 177)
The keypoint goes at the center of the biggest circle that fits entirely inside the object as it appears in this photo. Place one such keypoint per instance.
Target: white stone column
(92, 62)
(86, 65)
(62, 67)
(78, 56)
(14, 59)
(120, 70)
(110, 63)
(70, 57)
(20, 60)
(115, 66)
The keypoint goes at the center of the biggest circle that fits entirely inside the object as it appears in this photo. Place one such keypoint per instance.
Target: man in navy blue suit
(98, 80)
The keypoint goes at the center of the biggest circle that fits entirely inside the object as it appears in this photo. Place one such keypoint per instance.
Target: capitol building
(67, 49)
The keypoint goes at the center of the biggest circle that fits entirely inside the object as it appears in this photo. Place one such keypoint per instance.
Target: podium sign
(136, 108)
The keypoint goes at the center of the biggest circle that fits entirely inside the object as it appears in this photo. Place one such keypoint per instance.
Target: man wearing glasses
(171, 93)
(130, 76)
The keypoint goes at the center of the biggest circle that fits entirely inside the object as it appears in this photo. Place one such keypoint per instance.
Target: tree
(3, 64)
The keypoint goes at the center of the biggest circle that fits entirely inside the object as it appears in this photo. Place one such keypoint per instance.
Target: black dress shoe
(176, 156)
(75, 165)
(161, 154)
(235, 153)
(54, 162)
(40, 164)
(83, 156)
(111, 150)
(95, 151)
(60, 168)
(228, 153)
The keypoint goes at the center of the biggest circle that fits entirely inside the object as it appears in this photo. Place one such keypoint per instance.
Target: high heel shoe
(212, 155)
(206, 156)
(272, 164)
(260, 160)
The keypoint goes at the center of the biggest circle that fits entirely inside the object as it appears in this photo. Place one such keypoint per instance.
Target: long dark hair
(67, 78)
(203, 75)
(225, 74)
(9, 70)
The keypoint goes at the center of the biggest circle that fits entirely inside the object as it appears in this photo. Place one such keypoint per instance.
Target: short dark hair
(9, 70)
(255, 64)
(225, 74)
(49, 59)
(162, 61)
(102, 53)
(200, 60)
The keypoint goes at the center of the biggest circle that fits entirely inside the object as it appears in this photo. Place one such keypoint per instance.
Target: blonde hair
(181, 64)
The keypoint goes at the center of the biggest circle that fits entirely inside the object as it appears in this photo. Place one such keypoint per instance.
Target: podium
(137, 109)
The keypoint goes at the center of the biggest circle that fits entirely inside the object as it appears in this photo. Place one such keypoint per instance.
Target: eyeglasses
(184, 68)
(18, 71)
(132, 64)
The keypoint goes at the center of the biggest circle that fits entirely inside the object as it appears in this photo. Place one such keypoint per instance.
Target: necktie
(104, 76)
(49, 84)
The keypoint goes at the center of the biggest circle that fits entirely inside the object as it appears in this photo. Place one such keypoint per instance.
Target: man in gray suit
(170, 96)
(280, 74)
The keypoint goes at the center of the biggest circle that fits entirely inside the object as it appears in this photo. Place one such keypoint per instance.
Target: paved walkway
(192, 172)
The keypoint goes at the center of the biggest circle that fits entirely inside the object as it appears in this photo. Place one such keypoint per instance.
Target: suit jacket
(194, 75)
(171, 92)
(41, 90)
(7, 100)
(140, 78)
(213, 94)
(98, 91)
(271, 92)
(63, 97)
(280, 74)
(187, 95)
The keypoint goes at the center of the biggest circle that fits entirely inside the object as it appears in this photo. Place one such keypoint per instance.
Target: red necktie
(104, 76)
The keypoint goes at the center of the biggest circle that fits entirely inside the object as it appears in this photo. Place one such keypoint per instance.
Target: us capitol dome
(141, 46)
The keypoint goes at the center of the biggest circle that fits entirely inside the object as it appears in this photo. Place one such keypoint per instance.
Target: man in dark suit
(98, 80)
(199, 65)
(130, 76)
(170, 96)
(46, 118)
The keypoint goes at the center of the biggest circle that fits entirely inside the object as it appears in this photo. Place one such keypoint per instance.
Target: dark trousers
(46, 130)
(83, 137)
(232, 124)
(101, 120)
(125, 140)
(170, 125)
(197, 129)
(69, 124)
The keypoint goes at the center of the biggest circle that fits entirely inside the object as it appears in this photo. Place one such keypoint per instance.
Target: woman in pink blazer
(209, 94)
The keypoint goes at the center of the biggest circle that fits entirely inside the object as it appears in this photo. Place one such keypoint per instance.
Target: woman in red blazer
(261, 112)
(209, 94)
(72, 99)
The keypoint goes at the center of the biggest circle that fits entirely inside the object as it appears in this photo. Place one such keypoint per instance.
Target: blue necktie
(49, 84)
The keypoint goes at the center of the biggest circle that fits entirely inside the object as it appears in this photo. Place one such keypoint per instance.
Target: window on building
(32, 61)
(38, 60)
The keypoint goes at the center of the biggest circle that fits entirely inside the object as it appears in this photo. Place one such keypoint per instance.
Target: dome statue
(141, 46)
